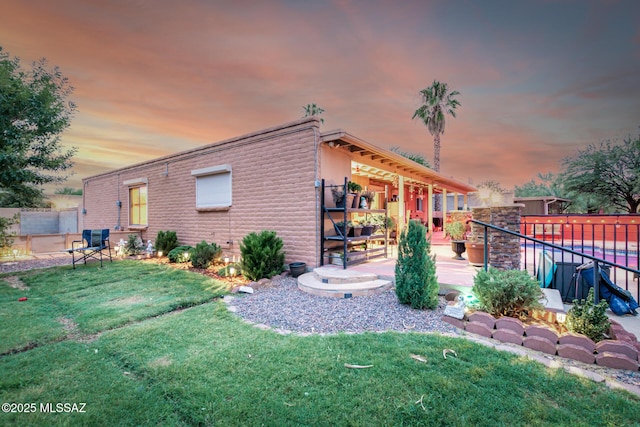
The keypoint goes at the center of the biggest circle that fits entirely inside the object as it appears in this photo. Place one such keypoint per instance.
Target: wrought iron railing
(566, 256)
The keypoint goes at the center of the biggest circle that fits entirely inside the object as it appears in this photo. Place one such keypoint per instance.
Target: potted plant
(457, 231)
(357, 229)
(338, 196)
(367, 228)
(354, 190)
(343, 228)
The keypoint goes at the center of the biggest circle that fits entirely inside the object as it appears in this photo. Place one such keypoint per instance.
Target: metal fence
(570, 241)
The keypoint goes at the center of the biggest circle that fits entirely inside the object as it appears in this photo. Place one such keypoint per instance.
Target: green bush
(262, 255)
(416, 282)
(180, 254)
(203, 254)
(166, 241)
(511, 293)
(6, 237)
(134, 245)
(589, 319)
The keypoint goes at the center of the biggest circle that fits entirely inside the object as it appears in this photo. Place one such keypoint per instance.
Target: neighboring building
(267, 180)
(543, 205)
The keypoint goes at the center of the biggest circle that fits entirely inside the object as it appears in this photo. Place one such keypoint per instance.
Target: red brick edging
(622, 352)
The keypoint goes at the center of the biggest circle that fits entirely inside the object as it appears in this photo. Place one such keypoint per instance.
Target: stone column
(505, 248)
(477, 231)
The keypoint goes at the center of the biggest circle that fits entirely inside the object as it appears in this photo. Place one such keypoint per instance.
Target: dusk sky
(537, 79)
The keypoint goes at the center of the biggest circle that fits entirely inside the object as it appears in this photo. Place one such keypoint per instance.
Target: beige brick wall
(273, 174)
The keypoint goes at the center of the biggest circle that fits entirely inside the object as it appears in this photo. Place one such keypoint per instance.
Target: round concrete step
(333, 274)
(309, 283)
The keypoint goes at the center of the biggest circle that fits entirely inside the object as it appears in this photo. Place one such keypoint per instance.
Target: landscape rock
(579, 340)
(507, 335)
(485, 318)
(452, 295)
(478, 328)
(617, 346)
(510, 323)
(539, 344)
(576, 352)
(616, 360)
(542, 331)
(458, 323)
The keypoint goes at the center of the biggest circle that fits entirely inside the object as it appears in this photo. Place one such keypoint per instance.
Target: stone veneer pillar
(504, 253)
(477, 231)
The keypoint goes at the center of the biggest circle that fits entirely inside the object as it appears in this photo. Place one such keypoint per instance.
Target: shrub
(180, 254)
(7, 237)
(456, 230)
(134, 245)
(166, 241)
(262, 255)
(511, 293)
(416, 282)
(204, 253)
(589, 319)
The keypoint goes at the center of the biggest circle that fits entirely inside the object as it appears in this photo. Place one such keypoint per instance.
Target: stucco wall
(273, 176)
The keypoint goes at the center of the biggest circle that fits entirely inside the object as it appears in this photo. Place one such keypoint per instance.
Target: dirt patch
(162, 362)
(73, 333)
(16, 283)
(70, 327)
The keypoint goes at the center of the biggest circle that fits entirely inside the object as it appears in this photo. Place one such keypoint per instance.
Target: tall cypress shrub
(416, 282)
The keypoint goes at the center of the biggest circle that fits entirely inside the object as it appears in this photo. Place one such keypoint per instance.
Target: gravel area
(23, 264)
(283, 306)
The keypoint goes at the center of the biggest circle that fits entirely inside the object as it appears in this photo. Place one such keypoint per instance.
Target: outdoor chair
(92, 245)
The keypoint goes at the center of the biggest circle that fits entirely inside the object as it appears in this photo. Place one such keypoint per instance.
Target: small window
(419, 206)
(213, 187)
(138, 205)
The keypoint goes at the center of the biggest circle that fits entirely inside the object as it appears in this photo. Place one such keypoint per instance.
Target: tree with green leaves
(550, 184)
(416, 281)
(544, 185)
(34, 111)
(313, 110)
(609, 170)
(437, 101)
(6, 234)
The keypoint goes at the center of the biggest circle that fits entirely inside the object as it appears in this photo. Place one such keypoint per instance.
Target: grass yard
(113, 338)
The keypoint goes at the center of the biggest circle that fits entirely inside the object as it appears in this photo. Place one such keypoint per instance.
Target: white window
(213, 187)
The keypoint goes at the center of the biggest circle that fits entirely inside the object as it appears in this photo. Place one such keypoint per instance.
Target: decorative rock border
(621, 352)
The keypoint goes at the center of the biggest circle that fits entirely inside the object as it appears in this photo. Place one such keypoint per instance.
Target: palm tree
(437, 102)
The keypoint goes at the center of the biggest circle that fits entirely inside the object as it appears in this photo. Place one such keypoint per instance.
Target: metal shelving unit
(367, 243)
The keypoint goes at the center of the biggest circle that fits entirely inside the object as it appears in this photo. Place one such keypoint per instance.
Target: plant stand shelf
(357, 249)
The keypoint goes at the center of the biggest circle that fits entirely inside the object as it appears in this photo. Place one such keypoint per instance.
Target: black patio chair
(92, 245)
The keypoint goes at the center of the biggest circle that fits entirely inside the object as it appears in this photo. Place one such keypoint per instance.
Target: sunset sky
(537, 79)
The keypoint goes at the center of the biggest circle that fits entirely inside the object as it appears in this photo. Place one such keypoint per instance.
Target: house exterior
(543, 205)
(266, 180)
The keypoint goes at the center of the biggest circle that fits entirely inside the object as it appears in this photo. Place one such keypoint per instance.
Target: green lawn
(203, 366)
